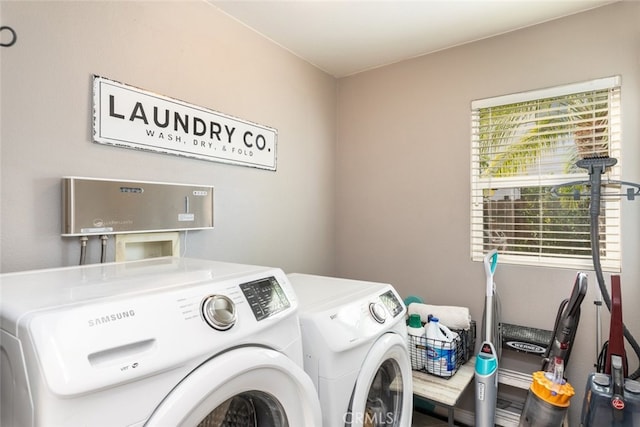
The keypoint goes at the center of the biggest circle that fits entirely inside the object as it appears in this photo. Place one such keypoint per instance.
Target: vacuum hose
(596, 167)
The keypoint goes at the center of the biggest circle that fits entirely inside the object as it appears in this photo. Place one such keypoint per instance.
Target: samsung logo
(110, 318)
(529, 348)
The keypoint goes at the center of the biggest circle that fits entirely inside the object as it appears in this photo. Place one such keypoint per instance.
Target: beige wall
(403, 161)
(186, 50)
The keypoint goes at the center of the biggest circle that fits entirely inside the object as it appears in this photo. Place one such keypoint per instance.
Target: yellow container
(547, 402)
(550, 392)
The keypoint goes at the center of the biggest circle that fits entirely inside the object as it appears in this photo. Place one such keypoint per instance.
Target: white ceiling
(344, 37)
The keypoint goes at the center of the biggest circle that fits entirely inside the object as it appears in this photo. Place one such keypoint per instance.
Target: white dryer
(355, 350)
(160, 342)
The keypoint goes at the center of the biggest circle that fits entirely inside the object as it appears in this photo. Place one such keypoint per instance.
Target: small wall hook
(13, 38)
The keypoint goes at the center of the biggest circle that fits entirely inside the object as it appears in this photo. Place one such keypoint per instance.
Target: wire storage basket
(442, 358)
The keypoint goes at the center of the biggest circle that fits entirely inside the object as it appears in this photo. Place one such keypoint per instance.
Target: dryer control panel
(392, 303)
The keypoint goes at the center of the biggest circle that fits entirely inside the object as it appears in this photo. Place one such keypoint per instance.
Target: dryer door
(383, 394)
(248, 386)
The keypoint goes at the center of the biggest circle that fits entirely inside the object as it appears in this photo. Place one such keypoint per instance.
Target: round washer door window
(382, 396)
(249, 409)
(245, 387)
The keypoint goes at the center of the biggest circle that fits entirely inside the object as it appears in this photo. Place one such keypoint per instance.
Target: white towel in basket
(451, 316)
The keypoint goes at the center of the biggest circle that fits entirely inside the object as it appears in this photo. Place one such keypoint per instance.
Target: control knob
(219, 312)
(377, 312)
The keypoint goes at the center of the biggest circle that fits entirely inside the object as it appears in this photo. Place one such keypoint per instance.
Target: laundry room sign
(127, 116)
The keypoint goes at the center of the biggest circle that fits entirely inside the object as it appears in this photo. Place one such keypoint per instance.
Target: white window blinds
(525, 144)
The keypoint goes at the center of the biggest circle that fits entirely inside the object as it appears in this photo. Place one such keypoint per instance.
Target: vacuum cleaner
(549, 396)
(566, 324)
(486, 369)
(612, 399)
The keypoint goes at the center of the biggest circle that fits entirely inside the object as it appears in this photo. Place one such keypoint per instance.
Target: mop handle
(490, 262)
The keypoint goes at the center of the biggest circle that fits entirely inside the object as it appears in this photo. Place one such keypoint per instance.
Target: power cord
(600, 363)
(184, 241)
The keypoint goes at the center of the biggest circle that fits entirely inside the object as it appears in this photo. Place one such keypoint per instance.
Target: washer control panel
(265, 297)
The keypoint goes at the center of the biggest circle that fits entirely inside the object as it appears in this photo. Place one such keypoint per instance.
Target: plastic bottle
(556, 375)
(441, 349)
(417, 348)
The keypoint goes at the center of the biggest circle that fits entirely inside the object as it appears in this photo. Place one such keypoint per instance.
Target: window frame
(611, 206)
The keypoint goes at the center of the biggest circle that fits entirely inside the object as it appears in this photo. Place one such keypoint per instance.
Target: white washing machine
(160, 342)
(355, 350)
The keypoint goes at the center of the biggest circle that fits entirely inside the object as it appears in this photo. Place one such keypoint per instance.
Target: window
(523, 145)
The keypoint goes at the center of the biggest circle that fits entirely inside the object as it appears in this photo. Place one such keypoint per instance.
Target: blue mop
(486, 370)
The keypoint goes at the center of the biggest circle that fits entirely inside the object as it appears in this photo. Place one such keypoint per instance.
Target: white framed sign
(127, 116)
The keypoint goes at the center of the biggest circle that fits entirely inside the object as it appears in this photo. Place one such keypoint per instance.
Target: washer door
(383, 394)
(244, 387)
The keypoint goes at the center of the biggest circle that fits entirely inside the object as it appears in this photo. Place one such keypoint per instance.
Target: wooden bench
(442, 391)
